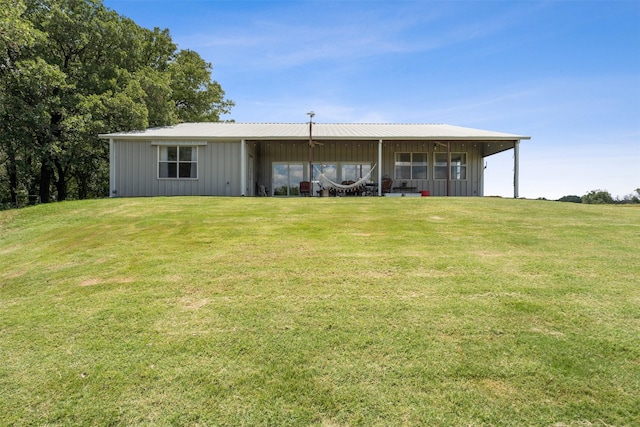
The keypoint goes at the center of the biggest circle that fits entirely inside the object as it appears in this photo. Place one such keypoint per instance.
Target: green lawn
(320, 311)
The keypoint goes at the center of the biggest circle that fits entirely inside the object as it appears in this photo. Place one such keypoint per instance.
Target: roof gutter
(133, 137)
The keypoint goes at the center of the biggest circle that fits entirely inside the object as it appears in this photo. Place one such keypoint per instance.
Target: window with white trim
(411, 166)
(177, 162)
(458, 166)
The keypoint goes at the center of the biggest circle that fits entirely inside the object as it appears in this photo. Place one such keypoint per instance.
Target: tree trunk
(61, 187)
(12, 171)
(83, 187)
(45, 183)
(13, 183)
(61, 182)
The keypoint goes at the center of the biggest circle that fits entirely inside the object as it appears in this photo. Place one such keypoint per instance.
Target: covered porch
(372, 167)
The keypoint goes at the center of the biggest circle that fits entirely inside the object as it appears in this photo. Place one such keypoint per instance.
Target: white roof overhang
(223, 131)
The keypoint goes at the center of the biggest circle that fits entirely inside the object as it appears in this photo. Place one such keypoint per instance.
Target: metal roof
(321, 131)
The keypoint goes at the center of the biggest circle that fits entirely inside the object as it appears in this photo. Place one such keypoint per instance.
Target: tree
(15, 31)
(597, 197)
(197, 98)
(90, 45)
(28, 98)
(633, 198)
(571, 199)
(71, 69)
(29, 88)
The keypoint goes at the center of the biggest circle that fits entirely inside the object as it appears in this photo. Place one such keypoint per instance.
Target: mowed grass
(320, 311)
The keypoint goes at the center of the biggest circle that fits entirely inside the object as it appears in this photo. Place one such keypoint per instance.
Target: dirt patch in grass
(496, 387)
(90, 282)
(190, 303)
(547, 332)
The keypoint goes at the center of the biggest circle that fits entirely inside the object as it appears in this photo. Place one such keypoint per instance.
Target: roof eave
(133, 137)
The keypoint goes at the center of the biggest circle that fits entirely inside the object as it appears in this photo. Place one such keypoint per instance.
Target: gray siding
(136, 171)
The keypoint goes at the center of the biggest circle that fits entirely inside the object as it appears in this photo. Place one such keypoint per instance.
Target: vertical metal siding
(222, 169)
(133, 161)
(472, 186)
(136, 170)
(136, 165)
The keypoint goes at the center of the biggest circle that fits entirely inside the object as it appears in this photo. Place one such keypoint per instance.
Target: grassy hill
(323, 311)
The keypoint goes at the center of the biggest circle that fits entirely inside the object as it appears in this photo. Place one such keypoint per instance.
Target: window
(411, 166)
(286, 179)
(330, 170)
(458, 166)
(353, 172)
(179, 162)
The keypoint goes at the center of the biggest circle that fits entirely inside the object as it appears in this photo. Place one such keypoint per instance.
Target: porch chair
(305, 188)
(262, 190)
(386, 185)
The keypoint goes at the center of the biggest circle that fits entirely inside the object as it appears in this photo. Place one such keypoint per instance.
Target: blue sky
(566, 73)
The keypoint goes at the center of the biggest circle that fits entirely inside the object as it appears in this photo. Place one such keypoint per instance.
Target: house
(250, 159)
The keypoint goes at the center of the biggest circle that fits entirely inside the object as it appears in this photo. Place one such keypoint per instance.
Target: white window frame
(410, 153)
(460, 166)
(178, 146)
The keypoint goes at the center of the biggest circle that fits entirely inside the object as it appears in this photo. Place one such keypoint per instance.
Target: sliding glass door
(286, 176)
(286, 179)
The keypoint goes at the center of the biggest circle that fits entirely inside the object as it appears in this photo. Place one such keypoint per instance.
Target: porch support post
(380, 167)
(448, 168)
(516, 168)
(112, 168)
(243, 167)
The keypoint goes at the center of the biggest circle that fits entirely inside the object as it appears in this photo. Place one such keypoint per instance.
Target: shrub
(571, 199)
(597, 197)
(631, 198)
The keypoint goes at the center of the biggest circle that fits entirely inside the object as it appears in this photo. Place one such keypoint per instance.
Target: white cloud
(278, 39)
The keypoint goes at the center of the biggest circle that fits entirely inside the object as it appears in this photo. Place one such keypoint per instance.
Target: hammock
(327, 183)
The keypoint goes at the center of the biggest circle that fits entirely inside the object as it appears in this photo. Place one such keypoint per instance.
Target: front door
(250, 182)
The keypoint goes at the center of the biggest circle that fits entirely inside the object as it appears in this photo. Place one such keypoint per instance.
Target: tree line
(602, 197)
(72, 69)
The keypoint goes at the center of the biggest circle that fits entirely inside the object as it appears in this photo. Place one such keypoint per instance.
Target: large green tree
(16, 34)
(196, 97)
(71, 69)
